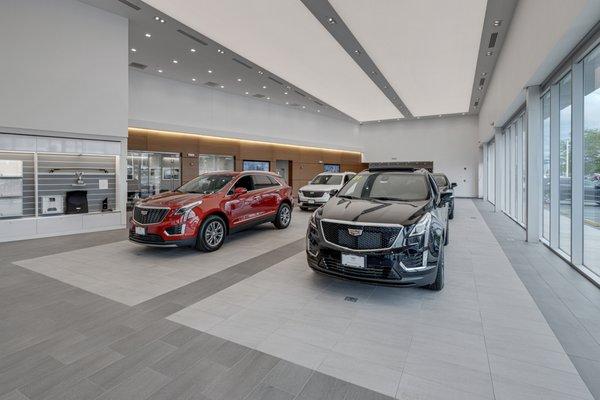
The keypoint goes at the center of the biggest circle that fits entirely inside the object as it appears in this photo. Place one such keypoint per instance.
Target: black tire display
(438, 284)
(446, 234)
(211, 234)
(283, 217)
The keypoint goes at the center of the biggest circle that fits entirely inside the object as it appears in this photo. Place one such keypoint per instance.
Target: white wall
(160, 103)
(540, 35)
(451, 143)
(63, 68)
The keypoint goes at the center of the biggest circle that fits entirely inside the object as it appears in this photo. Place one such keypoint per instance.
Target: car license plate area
(139, 230)
(354, 261)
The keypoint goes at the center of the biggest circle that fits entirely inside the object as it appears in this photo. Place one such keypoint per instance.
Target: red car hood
(172, 199)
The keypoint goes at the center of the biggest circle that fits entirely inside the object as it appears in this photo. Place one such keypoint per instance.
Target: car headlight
(421, 227)
(185, 211)
(313, 219)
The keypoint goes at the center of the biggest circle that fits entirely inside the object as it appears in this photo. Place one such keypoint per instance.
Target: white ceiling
(427, 49)
(285, 38)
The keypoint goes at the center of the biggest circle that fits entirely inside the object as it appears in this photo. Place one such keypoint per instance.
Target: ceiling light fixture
(210, 71)
(287, 102)
(193, 50)
(318, 110)
(264, 87)
(489, 53)
(357, 51)
(285, 92)
(222, 86)
(303, 106)
(159, 19)
(160, 71)
(193, 79)
(247, 93)
(220, 51)
(239, 79)
(480, 88)
(175, 61)
(497, 22)
(484, 74)
(331, 21)
(260, 72)
(268, 98)
(148, 35)
(133, 50)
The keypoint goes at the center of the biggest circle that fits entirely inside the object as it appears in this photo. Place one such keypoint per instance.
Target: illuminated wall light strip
(226, 139)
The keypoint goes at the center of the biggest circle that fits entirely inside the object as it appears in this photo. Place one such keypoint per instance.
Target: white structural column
(534, 163)
(499, 170)
(484, 189)
(577, 165)
(554, 166)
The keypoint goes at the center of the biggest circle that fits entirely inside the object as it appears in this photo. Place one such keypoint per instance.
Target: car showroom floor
(94, 316)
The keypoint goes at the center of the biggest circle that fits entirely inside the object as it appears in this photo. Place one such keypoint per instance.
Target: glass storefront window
(546, 184)
(591, 162)
(151, 173)
(565, 176)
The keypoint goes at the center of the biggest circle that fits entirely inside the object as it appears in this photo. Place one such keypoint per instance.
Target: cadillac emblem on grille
(355, 232)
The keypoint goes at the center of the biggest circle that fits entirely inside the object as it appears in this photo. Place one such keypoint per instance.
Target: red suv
(205, 210)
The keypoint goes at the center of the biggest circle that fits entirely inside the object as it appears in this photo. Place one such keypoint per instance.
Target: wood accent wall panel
(306, 162)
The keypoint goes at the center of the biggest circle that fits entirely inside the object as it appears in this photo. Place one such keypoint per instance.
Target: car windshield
(327, 179)
(440, 179)
(387, 186)
(205, 184)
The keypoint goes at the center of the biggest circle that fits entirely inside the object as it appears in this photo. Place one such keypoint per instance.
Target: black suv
(445, 186)
(385, 226)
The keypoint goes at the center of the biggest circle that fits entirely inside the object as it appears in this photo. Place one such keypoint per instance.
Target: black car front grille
(143, 215)
(412, 259)
(151, 238)
(367, 237)
(312, 193)
(371, 271)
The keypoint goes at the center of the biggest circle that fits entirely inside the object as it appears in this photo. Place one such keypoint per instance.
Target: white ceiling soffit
(427, 49)
(284, 37)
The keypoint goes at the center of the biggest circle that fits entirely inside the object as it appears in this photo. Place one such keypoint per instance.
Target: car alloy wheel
(214, 234)
(285, 216)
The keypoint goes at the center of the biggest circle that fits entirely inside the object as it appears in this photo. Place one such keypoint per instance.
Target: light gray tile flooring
(130, 273)
(482, 337)
(484, 326)
(569, 302)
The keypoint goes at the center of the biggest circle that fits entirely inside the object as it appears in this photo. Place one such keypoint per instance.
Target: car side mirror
(238, 191)
(446, 198)
(333, 192)
(453, 185)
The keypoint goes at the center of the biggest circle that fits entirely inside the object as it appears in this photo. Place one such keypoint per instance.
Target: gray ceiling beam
(330, 19)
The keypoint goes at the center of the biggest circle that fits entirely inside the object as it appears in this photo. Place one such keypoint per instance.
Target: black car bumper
(158, 241)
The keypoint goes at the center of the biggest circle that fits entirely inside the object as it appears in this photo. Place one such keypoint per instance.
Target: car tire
(451, 213)
(438, 284)
(211, 234)
(283, 217)
(446, 235)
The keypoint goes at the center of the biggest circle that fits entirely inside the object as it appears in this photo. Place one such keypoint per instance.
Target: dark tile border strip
(193, 292)
(569, 302)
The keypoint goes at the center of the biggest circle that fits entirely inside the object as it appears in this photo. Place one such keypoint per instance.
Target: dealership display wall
(306, 161)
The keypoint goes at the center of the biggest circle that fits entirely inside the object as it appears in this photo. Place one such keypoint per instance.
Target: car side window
(274, 181)
(347, 178)
(245, 182)
(262, 181)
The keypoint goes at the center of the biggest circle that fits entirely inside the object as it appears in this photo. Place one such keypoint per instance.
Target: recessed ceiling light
(193, 79)
(497, 22)
(175, 61)
(480, 88)
(247, 93)
(210, 71)
(160, 71)
(318, 110)
(148, 35)
(357, 51)
(239, 79)
(285, 92)
(162, 21)
(260, 72)
(484, 74)
(303, 106)
(133, 50)
(222, 86)
(157, 18)
(268, 98)
(330, 20)
(264, 87)
(220, 51)
(489, 53)
(193, 50)
(287, 102)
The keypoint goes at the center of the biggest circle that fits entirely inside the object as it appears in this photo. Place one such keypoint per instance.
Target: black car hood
(375, 211)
